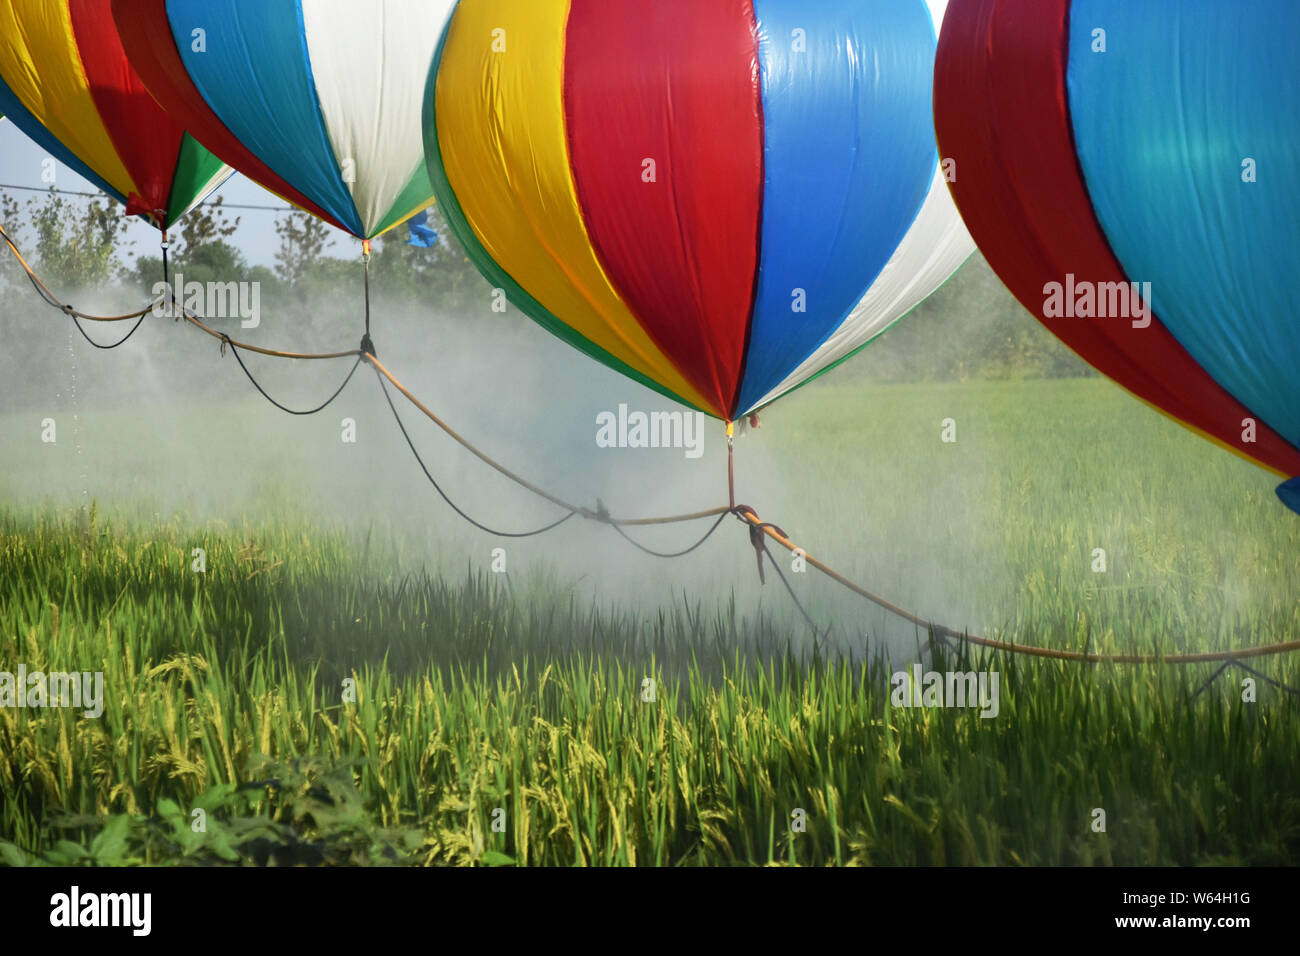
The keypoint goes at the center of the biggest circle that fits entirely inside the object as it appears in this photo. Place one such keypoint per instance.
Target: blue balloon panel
(846, 120)
(1186, 130)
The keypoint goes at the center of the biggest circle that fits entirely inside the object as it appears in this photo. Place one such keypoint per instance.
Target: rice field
(324, 698)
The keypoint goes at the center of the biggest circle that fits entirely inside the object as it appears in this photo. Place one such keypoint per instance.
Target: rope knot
(225, 340)
(367, 346)
(757, 528)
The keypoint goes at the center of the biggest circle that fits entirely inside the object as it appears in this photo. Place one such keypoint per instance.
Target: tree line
(971, 328)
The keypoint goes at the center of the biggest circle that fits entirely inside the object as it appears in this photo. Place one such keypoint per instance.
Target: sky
(21, 165)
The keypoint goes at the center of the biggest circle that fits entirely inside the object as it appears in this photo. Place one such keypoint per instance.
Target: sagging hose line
(249, 347)
(676, 554)
(227, 341)
(940, 630)
(166, 298)
(54, 301)
(759, 529)
(438, 488)
(293, 411)
(522, 482)
(122, 341)
(468, 446)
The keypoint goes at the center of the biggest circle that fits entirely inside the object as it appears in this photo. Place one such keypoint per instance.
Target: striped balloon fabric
(719, 199)
(1131, 172)
(66, 82)
(317, 100)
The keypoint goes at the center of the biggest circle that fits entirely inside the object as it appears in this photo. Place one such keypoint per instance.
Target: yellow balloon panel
(40, 65)
(511, 173)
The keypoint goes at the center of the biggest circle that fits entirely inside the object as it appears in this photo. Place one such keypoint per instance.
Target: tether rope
(942, 631)
(758, 527)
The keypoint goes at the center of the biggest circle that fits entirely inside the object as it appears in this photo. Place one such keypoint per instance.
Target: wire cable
(292, 411)
(438, 488)
(676, 554)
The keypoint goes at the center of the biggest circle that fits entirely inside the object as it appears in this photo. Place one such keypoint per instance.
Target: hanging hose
(234, 350)
(438, 488)
(676, 554)
(759, 530)
(52, 300)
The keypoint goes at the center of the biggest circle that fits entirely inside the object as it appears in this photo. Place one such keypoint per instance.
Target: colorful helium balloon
(317, 100)
(66, 83)
(721, 200)
(1121, 162)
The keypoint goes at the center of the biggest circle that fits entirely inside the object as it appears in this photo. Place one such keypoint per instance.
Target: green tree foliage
(71, 242)
(971, 328)
(441, 277)
(303, 239)
(407, 283)
(11, 273)
(202, 251)
(204, 226)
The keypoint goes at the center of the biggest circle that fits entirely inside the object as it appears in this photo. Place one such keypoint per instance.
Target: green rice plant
(325, 700)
